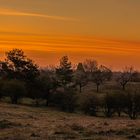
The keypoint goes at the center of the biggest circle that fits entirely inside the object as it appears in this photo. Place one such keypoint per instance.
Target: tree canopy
(18, 66)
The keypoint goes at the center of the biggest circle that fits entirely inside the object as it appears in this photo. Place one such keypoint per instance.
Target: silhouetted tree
(109, 105)
(18, 66)
(119, 102)
(35, 90)
(126, 76)
(80, 76)
(90, 65)
(90, 104)
(64, 72)
(132, 103)
(3, 70)
(1, 88)
(15, 89)
(66, 99)
(49, 84)
(101, 75)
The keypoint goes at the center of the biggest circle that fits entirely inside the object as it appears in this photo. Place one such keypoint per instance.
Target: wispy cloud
(11, 12)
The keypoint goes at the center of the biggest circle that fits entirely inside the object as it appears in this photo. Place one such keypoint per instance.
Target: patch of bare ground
(30, 123)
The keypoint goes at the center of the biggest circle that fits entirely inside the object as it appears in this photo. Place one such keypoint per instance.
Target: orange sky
(48, 49)
(48, 29)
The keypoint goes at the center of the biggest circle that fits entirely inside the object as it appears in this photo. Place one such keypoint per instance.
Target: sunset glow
(108, 31)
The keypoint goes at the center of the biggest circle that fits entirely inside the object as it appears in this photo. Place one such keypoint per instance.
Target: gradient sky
(106, 30)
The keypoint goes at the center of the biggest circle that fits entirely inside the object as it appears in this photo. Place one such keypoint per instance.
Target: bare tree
(97, 74)
(126, 76)
(90, 65)
(101, 75)
(80, 77)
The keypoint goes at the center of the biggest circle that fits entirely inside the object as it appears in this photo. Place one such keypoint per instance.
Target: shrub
(114, 102)
(65, 100)
(14, 89)
(109, 105)
(90, 104)
(1, 86)
(118, 102)
(132, 104)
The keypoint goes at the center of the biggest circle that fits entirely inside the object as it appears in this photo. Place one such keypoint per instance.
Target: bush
(132, 104)
(65, 100)
(109, 105)
(114, 102)
(35, 90)
(14, 89)
(90, 104)
(1, 86)
(136, 105)
(118, 102)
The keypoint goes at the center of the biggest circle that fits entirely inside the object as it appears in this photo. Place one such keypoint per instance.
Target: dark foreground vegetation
(68, 89)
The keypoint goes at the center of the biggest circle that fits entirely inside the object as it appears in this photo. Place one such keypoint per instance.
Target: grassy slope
(30, 123)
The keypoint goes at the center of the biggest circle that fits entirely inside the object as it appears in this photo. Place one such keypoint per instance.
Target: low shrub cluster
(14, 89)
(110, 104)
(66, 100)
(89, 104)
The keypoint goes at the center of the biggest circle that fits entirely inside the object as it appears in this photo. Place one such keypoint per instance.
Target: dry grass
(30, 123)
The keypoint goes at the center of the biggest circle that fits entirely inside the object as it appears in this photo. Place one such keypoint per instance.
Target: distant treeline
(62, 86)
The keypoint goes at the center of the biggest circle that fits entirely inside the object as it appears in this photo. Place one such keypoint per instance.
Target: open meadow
(19, 122)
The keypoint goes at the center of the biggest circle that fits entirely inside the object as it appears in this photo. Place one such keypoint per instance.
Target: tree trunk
(119, 113)
(47, 98)
(47, 102)
(14, 100)
(97, 88)
(80, 87)
(123, 87)
(36, 102)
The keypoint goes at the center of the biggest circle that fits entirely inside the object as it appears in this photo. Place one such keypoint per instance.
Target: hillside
(29, 123)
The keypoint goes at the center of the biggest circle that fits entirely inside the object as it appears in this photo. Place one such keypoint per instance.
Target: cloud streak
(11, 12)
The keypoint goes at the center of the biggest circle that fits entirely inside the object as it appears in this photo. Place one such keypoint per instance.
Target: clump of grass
(126, 132)
(89, 133)
(132, 136)
(65, 132)
(15, 137)
(77, 127)
(35, 135)
(7, 124)
(106, 124)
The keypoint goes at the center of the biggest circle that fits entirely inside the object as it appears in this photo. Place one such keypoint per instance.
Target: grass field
(29, 123)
